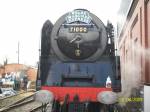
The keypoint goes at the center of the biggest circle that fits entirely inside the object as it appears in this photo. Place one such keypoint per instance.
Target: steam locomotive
(78, 67)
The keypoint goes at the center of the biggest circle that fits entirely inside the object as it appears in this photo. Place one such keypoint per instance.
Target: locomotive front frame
(55, 68)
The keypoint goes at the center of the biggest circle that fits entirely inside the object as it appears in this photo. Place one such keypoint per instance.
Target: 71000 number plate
(78, 29)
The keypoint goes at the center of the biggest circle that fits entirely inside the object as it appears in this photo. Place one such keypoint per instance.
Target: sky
(22, 20)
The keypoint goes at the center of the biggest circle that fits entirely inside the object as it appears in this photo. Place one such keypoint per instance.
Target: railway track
(23, 102)
(27, 106)
(12, 100)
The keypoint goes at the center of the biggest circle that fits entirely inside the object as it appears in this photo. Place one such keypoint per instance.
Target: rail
(8, 101)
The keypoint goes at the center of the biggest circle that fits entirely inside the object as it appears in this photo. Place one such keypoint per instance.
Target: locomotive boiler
(78, 66)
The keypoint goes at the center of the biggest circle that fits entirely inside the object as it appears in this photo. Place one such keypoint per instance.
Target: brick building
(30, 71)
(134, 45)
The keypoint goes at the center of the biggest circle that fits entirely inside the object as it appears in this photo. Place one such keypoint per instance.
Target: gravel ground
(26, 108)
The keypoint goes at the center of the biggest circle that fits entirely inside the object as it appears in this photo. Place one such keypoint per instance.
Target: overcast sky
(21, 21)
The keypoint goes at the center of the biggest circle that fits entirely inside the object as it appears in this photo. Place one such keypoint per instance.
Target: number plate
(78, 29)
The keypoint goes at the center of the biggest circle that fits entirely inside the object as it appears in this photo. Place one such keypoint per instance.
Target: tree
(5, 61)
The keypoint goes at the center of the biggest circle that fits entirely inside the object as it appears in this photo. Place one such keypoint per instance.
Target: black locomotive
(78, 65)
